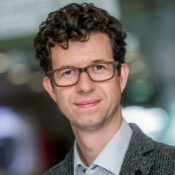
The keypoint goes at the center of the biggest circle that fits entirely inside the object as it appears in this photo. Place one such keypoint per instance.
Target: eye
(99, 67)
(65, 73)
(68, 72)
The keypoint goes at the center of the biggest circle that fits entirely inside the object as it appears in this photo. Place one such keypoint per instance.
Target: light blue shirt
(110, 160)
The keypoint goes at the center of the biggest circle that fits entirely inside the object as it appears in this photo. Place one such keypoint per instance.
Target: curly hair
(76, 22)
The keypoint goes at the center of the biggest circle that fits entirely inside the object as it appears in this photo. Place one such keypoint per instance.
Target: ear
(49, 88)
(123, 76)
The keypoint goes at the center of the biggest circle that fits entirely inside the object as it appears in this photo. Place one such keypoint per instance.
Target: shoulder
(57, 169)
(164, 154)
(146, 143)
(161, 155)
(63, 168)
(163, 159)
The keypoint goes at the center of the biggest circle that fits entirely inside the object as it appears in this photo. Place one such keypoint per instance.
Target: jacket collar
(67, 164)
(139, 156)
(138, 159)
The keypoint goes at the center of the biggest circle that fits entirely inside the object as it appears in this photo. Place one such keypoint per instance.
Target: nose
(85, 84)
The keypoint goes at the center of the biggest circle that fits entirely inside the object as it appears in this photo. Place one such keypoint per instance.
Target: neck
(91, 143)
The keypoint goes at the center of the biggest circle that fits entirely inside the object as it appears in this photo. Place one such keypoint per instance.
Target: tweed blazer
(143, 157)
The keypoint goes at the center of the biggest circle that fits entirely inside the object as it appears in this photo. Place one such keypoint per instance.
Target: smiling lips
(88, 104)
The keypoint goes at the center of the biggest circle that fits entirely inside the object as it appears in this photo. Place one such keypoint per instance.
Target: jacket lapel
(139, 156)
(138, 159)
(67, 164)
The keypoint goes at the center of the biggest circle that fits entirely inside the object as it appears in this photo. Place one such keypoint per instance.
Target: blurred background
(33, 133)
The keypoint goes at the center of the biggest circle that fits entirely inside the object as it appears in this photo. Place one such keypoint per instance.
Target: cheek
(63, 98)
(114, 94)
(112, 88)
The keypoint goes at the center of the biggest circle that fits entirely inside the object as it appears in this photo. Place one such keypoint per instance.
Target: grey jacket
(143, 157)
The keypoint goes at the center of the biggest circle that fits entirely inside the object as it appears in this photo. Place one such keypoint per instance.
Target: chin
(90, 126)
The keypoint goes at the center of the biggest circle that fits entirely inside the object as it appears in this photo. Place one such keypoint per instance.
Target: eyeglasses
(70, 75)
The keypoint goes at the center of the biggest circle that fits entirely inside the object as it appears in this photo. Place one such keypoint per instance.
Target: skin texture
(93, 108)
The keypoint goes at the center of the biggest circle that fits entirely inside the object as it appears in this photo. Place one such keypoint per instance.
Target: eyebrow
(97, 61)
(93, 62)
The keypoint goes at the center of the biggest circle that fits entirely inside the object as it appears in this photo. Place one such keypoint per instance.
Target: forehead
(98, 47)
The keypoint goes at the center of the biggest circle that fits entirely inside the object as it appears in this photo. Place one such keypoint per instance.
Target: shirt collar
(77, 159)
(111, 157)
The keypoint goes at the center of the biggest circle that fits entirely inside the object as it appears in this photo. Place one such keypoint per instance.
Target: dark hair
(76, 22)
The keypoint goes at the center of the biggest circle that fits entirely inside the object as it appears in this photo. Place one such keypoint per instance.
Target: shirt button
(138, 172)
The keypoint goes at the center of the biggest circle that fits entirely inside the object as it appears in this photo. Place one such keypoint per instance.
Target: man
(81, 48)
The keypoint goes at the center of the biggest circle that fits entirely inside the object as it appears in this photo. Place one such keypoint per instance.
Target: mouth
(87, 104)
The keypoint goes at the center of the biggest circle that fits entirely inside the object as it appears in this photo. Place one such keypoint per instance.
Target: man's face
(88, 105)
